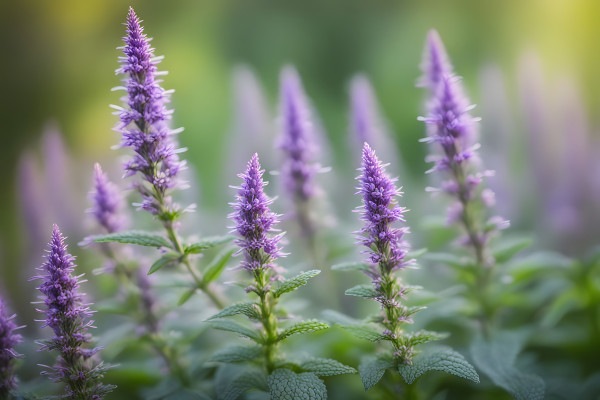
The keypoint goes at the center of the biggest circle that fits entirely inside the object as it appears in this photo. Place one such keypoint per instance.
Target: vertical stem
(269, 322)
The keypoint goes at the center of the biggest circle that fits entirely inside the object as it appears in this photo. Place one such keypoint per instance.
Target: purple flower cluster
(144, 123)
(8, 340)
(106, 202)
(387, 250)
(380, 212)
(297, 139)
(453, 129)
(254, 220)
(69, 318)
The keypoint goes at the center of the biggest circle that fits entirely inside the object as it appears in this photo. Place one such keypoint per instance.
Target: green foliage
(217, 265)
(368, 332)
(496, 358)
(232, 326)
(371, 370)
(206, 243)
(294, 283)
(326, 367)
(236, 354)
(249, 309)
(185, 296)
(509, 248)
(438, 359)
(287, 385)
(302, 327)
(251, 379)
(365, 291)
(140, 238)
(164, 260)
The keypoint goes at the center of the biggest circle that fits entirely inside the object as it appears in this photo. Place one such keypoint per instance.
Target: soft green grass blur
(59, 58)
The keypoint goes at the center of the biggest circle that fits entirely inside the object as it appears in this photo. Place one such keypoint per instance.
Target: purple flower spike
(144, 123)
(367, 124)
(70, 319)
(254, 220)
(106, 202)
(380, 212)
(297, 139)
(8, 340)
(436, 63)
(451, 129)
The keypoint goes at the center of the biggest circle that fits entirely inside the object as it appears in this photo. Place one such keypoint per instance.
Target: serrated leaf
(365, 291)
(245, 381)
(287, 385)
(371, 370)
(206, 243)
(440, 359)
(236, 354)
(364, 332)
(424, 336)
(232, 326)
(302, 327)
(508, 249)
(186, 296)
(326, 367)
(496, 359)
(248, 309)
(294, 283)
(215, 268)
(351, 266)
(164, 260)
(134, 237)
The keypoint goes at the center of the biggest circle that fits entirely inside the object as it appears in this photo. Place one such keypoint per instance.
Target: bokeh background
(531, 66)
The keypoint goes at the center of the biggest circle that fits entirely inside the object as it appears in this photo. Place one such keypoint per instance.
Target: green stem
(149, 318)
(268, 320)
(217, 301)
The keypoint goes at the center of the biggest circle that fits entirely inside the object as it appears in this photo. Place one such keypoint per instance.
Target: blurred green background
(59, 57)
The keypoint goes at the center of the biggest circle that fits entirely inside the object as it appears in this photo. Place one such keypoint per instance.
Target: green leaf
(243, 382)
(509, 248)
(371, 370)
(236, 354)
(294, 283)
(287, 385)
(135, 237)
(217, 265)
(441, 359)
(206, 243)
(164, 260)
(186, 296)
(351, 266)
(232, 326)
(326, 367)
(248, 309)
(364, 332)
(496, 358)
(365, 291)
(424, 336)
(303, 327)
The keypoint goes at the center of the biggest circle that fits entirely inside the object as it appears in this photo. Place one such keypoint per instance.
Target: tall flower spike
(436, 63)
(367, 124)
(8, 340)
(298, 143)
(107, 202)
(254, 220)
(386, 249)
(144, 122)
(380, 212)
(452, 130)
(70, 319)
